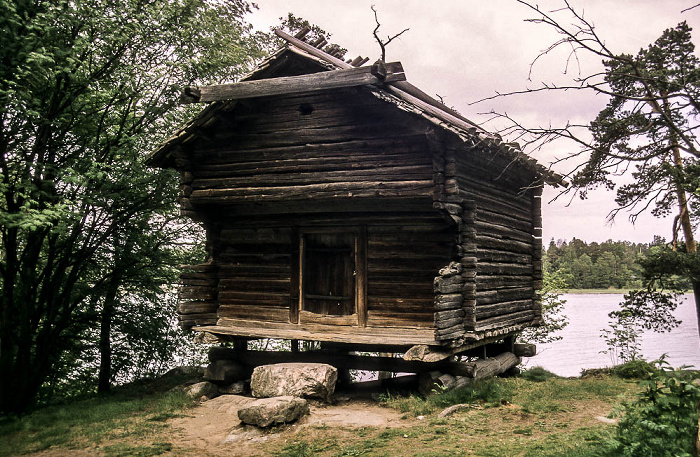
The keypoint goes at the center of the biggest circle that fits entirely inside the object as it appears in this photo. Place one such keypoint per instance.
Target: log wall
(450, 235)
(301, 148)
(501, 239)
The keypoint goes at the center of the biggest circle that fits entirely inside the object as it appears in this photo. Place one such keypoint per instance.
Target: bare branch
(383, 44)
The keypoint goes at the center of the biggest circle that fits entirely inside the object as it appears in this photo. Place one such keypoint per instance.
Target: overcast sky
(465, 50)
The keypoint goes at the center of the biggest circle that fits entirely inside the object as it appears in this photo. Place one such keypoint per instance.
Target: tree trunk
(105, 346)
(105, 374)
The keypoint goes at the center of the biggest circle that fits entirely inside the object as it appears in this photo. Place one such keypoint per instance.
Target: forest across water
(606, 265)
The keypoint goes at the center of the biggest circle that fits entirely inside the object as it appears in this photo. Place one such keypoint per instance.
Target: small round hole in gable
(306, 109)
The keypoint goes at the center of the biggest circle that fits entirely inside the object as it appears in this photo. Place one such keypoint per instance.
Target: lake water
(581, 344)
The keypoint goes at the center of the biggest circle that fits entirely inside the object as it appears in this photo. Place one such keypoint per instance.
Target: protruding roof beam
(361, 76)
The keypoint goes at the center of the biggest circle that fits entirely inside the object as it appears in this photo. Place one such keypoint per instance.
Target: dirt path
(213, 427)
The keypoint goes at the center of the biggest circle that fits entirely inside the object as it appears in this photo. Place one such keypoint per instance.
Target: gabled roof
(396, 91)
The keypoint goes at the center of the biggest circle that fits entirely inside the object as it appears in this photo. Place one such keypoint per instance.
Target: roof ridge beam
(333, 79)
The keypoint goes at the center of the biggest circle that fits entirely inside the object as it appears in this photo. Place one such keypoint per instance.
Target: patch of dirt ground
(213, 426)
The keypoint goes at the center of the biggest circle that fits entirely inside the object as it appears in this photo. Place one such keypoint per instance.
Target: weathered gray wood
(333, 79)
(485, 368)
(197, 307)
(317, 332)
(525, 349)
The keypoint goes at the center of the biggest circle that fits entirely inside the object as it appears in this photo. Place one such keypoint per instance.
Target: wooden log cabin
(342, 204)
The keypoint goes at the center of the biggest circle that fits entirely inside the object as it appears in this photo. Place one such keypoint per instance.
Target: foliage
(293, 24)
(553, 315)
(611, 264)
(641, 310)
(89, 233)
(663, 420)
(647, 131)
(633, 369)
(537, 374)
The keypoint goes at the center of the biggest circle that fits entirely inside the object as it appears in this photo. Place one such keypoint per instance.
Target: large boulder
(265, 412)
(310, 380)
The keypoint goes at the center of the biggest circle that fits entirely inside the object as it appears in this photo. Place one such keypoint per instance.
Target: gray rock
(265, 412)
(202, 389)
(235, 388)
(455, 408)
(310, 380)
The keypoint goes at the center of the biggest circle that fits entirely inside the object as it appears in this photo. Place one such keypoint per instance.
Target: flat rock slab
(309, 380)
(265, 412)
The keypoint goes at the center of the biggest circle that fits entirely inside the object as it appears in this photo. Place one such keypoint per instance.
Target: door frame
(298, 314)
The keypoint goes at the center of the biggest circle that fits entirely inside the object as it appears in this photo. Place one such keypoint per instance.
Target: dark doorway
(329, 273)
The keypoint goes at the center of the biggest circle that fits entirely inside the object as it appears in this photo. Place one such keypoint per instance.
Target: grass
(536, 414)
(544, 416)
(118, 424)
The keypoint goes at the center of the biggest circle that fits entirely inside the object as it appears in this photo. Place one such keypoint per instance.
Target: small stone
(265, 412)
(453, 409)
(235, 388)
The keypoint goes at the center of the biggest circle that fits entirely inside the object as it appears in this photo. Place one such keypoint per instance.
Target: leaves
(86, 88)
(663, 420)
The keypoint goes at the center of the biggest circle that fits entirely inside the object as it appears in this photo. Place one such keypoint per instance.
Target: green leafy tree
(647, 130)
(85, 87)
(554, 319)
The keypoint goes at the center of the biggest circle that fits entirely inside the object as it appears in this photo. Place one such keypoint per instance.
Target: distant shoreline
(595, 291)
(602, 291)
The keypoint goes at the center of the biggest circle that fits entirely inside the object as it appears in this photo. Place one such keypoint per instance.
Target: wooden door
(328, 278)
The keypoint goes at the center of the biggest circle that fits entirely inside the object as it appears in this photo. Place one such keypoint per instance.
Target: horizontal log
(493, 255)
(209, 282)
(327, 190)
(487, 268)
(294, 176)
(500, 295)
(197, 293)
(254, 312)
(189, 320)
(393, 127)
(445, 302)
(502, 308)
(488, 242)
(307, 317)
(525, 349)
(346, 361)
(406, 150)
(486, 368)
(499, 231)
(200, 268)
(197, 307)
(442, 316)
(397, 304)
(378, 318)
(264, 285)
(316, 332)
(257, 235)
(333, 79)
(505, 321)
